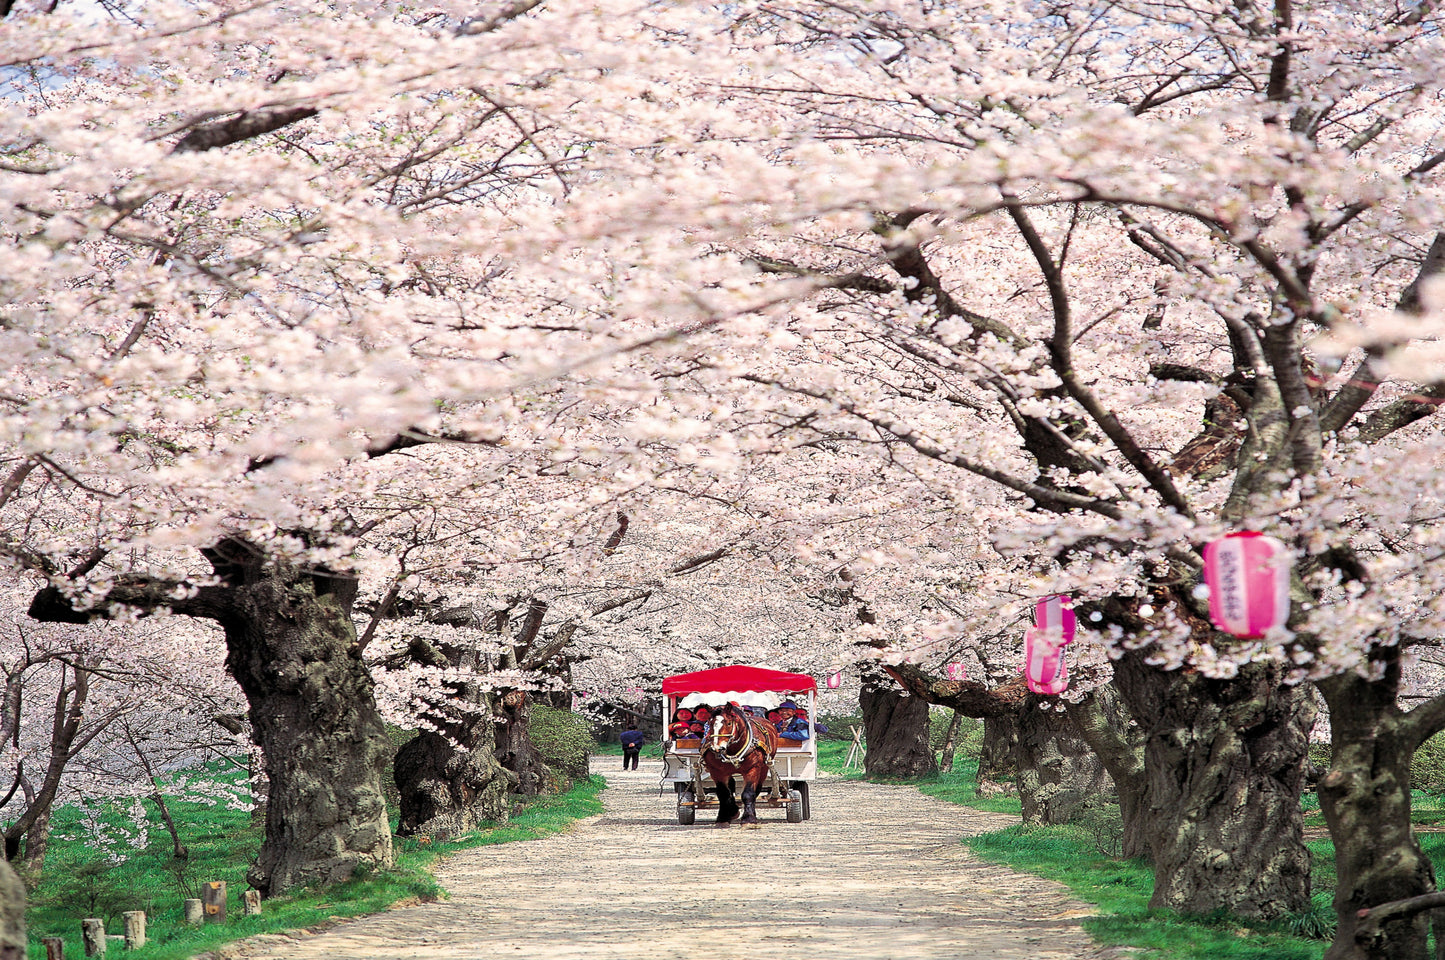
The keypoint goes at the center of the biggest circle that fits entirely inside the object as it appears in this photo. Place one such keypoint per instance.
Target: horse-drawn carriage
(772, 771)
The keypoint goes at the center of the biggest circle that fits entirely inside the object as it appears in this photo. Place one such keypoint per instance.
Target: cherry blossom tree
(244, 272)
(1088, 255)
(1002, 300)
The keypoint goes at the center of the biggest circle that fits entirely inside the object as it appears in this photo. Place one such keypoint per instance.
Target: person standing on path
(631, 746)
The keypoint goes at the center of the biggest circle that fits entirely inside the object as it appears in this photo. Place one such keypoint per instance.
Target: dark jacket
(632, 740)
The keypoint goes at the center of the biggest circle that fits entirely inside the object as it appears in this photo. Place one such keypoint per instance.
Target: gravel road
(877, 873)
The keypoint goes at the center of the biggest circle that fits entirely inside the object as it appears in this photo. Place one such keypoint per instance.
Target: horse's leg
(727, 806)
(751, 783)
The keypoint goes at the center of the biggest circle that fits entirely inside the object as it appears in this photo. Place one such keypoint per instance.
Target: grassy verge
(79, 883)
(1073, 856)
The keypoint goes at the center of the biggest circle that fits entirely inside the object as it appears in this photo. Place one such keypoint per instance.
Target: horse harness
(749, 742)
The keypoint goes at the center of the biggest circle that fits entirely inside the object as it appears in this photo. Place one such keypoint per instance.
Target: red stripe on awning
(720, 679)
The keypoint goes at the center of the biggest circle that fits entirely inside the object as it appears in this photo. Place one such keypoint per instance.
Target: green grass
(961, 787)
(79, 883)
(1120, 889)
(832, 754)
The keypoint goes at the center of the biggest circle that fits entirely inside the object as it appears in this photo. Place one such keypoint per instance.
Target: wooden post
(253, 903)
(213, 893)
(135, 929)
(54, 948)
(856, 751)
(193, 912)
(92, 931)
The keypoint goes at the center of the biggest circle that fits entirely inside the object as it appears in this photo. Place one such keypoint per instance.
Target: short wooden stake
(253, 903)
(54, 948)
(213, 892)
(194, 913)
(135, 929)
(92, 931)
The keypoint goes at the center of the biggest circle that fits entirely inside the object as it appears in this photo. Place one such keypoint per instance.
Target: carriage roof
(724, 679)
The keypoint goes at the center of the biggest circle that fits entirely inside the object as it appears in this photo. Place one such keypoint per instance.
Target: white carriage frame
(789, 775)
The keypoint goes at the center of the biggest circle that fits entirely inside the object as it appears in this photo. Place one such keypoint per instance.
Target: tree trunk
(1365, 797)
(1225, 764)
(12, 915)
(1102, 722)
(896, 726)
(446, 790)
(1059, 776)
(998, 707)
(178, 847)
(515, 750)
(950, 743)
(997, 758)
(449, 779)
(293, 649)
(67, 722)
(37, 842)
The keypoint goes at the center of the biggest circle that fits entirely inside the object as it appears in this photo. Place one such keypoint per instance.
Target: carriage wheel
(794, 807)
(685, 815)
(802, 787)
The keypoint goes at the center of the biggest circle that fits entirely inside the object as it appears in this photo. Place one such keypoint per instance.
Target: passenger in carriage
(792, 721)
(680, 730)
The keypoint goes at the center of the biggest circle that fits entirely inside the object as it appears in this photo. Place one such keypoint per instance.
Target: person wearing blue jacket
(790, 725)
(631, 746)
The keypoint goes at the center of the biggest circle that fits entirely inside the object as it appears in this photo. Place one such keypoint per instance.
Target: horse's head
(729, 726)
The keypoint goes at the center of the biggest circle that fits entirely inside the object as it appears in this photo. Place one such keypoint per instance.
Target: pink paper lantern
(1057, 613)
(1248, 578)
(1045, 670)
(956, 671)
(835, 681)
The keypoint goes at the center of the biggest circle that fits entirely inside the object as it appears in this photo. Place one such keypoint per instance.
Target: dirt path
(876, 874)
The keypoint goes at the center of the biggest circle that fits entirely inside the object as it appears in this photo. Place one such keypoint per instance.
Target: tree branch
(1372, 920)
(1061, 347)
(932, 450)
(1423, 722)
(146, 594)
(244, 126)
(968, 697)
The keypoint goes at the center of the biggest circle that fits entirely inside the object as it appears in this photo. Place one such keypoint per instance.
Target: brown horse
(738, 744)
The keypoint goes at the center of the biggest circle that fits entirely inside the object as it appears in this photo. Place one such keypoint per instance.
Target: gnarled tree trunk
(293, 649)
(449, 779)
(896, 726)
(447, 791)
(515, 749)
(1365, 797)
(998, 756)
(1225, 764)
(1059, 776)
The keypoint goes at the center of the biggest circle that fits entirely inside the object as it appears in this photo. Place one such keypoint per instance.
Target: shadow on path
(876, 874)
